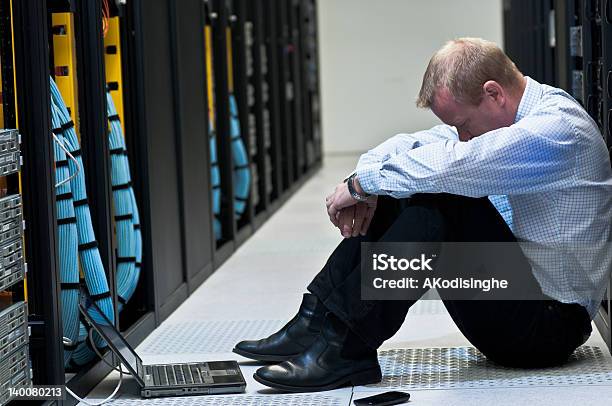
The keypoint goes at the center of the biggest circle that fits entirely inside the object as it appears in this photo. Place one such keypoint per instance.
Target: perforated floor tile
(198, 337)
(243, 400)
(466, 367)
(531, 396)
(220, 336)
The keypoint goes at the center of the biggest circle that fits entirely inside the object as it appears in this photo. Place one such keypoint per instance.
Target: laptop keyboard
(178, 374)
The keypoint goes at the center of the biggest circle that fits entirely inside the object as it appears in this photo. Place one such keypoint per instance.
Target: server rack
(581, 53)
(274, 97)
(15, 340)
(310, 71)
(93, 125)
(588, 59)
(294, 52)
(259, 109)
(242, 71)
(162, 97)
(603, 78)
(286, 89)
(192, 146)
(529, 37)
(33, 105)
(220, 12)
(137, 316)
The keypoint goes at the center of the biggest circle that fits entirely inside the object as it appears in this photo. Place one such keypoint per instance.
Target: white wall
(373, 55)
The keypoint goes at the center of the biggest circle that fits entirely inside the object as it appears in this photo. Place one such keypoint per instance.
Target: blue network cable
(215, 180)
(127, 222)
(241, 174)
(67, 241)
(89, 256)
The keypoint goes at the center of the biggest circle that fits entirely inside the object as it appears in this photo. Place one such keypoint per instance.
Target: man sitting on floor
(503, 134)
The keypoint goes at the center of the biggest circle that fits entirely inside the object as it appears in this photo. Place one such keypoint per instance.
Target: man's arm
(393, 146)
(536, 154)
(402, 143)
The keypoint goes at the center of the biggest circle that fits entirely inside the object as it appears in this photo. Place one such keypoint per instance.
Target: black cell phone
(384, 399)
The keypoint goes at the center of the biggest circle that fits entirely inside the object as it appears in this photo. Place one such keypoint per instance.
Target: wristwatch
(351, 188)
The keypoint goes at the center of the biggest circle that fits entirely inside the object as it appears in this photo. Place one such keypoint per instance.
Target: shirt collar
(531, 96)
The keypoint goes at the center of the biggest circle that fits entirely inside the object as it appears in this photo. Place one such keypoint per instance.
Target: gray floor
(260, 287)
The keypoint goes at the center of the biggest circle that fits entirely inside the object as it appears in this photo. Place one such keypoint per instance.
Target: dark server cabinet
(272, 62)
(192, 140)
(582, 65)
(603, 77)
(220, 13)
(33, 104)
(94, 130)
(285, 89)
(295, 90)
(242, 71)
(157, 147)
(137, 318)
(260, 131)
(529, 37)
(604, 71)
(310, 81)
(274, 97)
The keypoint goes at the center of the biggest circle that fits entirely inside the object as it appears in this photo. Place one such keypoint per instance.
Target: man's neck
(516, 99)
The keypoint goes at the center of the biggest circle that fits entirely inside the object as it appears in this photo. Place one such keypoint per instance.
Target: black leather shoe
(295, 337)
(336, 358)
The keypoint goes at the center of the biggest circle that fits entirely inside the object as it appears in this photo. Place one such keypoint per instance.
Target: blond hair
(463, 66)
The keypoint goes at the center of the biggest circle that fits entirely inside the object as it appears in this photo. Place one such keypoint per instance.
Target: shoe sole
(369, 376)
(263, 357)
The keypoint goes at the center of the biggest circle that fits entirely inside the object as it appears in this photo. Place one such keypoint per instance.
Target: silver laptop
(193, 378)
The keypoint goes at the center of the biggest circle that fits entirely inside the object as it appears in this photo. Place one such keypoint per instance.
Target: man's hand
(337, 201)
(364, 211)
(345, 220)
(355, 220)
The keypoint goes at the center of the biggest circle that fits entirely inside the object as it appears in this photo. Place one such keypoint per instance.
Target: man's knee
(529, 358)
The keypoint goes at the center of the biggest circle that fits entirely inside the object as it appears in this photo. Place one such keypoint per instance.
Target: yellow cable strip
(209, 76)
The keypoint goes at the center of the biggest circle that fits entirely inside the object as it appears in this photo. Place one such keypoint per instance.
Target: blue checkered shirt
(551, 166)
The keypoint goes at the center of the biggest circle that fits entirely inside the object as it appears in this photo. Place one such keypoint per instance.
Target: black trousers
(530, 333)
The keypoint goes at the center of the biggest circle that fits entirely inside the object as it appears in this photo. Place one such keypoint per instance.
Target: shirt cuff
(369, 179)
(349, 175)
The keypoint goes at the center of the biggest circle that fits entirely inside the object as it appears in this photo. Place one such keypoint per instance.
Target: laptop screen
(102, 325)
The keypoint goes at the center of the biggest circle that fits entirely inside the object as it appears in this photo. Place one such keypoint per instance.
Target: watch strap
(349, 176)
(351, 188)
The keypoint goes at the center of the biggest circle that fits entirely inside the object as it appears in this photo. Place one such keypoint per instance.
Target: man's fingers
(361, 211)
(336, 203)
(333, 214)
(332, 211)
(333, 219)
(329, 200)
(345, 220)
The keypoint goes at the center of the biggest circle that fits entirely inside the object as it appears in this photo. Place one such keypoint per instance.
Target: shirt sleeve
(402, 143)
(534, 155)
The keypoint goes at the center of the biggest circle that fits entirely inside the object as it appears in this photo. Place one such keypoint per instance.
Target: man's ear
(495, 92)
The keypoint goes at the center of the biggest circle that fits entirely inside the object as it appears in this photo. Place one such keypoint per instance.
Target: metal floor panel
(466, 367)
(313, 399)
(201, 337)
